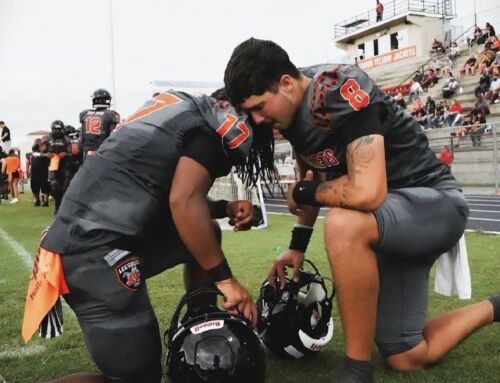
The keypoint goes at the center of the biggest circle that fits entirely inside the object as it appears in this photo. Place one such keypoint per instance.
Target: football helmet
(69, 130)
(57, 128)
(211, 345)
(101, 98)
(296, 321)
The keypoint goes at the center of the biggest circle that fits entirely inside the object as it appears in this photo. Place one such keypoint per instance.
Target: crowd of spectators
(431, 114)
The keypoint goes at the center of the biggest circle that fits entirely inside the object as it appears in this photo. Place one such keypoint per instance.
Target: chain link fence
(475, 155)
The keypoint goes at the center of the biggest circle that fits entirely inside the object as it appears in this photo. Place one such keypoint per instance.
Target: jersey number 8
(352, 92)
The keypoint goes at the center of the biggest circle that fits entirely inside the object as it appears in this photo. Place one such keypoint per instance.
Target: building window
(375, 47)
(361, 51)
(394, 41)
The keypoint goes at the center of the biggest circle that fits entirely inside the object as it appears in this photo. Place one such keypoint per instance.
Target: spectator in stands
(468, 67)
(446, 156)
(429, 79)
(400, 100)
(477, 129)
(416, 106)
(485, 59)
(446, 66)
(483, 87)
(5, 141)
(439, 115)
(418, 77)
(11, 168)
(450, 87)
(481, 106)
(415, 90)
(478, 32)
(454, 51)
(455, 117)
(430, 105)
(494, 89)
(461, 132)
(487, 32)
(437, 47)
(492, 44)
(379, 10)
(436, 64)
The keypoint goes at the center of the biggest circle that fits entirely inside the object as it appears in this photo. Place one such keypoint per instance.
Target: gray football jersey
(325, 121)
(120, 188)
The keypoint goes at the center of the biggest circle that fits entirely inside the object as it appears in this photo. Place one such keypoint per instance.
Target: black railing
(394, 8)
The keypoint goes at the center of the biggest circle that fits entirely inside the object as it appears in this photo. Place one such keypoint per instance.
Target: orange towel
(54, 163)
(46, 284)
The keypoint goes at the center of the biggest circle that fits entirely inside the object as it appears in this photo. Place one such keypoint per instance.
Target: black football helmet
(101, 98)
(69, 130)
(211, 345)
(296, 321)
(57, 128)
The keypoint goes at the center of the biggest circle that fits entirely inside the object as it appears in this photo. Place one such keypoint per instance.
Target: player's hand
(291, 258)
(240, 214)
(237, 299)
(293, 206)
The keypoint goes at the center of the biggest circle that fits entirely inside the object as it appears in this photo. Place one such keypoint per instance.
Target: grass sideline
(477, 359)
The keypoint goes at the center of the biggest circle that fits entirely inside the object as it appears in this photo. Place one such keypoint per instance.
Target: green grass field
(476, 360)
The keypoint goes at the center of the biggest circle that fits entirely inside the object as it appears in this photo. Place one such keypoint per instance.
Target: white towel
(453, 273)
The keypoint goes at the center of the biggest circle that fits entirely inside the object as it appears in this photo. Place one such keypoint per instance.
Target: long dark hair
(259, 163)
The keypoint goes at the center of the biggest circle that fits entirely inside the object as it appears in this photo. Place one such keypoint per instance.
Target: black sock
(495, 301)
(362, 368)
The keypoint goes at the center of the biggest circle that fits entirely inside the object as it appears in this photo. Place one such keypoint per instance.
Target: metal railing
(476, 156)
(394, 8)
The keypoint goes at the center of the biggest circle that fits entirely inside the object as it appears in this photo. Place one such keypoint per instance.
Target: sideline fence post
(495, 157)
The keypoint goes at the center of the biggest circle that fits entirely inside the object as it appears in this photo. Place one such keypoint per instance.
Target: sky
(55, 53)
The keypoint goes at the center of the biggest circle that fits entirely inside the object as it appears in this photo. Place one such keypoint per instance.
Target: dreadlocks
(260, 160)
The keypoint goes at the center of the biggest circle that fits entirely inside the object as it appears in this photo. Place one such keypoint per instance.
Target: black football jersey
(342, 104)
(97, 125)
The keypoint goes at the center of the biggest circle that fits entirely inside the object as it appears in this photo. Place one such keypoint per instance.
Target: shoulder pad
(232, 127)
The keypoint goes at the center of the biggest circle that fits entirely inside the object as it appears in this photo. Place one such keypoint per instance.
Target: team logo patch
(129, 273)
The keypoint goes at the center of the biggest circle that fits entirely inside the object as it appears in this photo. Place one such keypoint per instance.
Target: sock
(354, 371)
(495, 301)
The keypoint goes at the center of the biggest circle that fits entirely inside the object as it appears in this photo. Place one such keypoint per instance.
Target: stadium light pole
(112, 41)
(475, 14)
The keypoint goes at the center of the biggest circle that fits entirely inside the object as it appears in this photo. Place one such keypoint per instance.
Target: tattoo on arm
(359, 155)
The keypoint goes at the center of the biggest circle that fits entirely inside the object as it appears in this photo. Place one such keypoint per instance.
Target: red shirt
(446, 157)
(380, 8)
(456, 108)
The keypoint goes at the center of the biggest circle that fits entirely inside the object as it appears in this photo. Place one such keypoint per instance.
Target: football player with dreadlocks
(137, 207)
(98, 122)
(394, 207)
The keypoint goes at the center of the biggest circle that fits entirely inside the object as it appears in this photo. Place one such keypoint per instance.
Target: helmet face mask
(210, 345)
(296, 321)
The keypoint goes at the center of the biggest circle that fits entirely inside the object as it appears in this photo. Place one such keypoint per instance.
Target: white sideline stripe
(486, 211)
(286, 206)
(22, 351)
(483, 200)
(484, 219)
(484, 204)
(290, 214)
(18, 248)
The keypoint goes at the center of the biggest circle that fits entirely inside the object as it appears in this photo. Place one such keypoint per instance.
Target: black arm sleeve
(369, 120)
(206, 149)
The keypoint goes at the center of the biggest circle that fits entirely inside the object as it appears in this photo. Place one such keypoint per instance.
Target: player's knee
(347, 225)
(409, 360)
(128, 353)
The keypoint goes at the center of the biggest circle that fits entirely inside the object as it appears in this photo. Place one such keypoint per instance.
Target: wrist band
(304, 193)
(219, 209)
(220, 272)
(301, 236)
